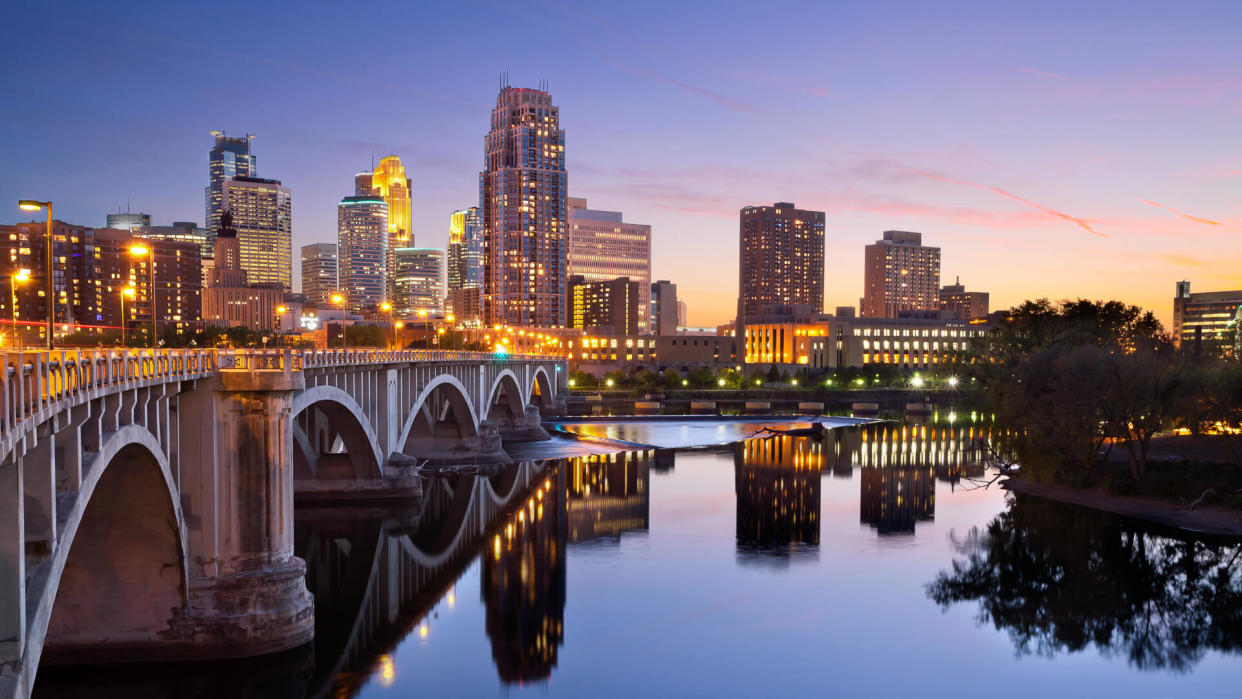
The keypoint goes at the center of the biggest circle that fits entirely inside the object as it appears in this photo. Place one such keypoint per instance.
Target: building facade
(128, 221)
(900, 274)
(465, 250)
(608, 307)
(1208, 322)
(781, 257)
(178, 283)
(522, 200)
(262, 211)
(229, 299)
(419, 280)
(362, 242)
(319, 271)
(665, 309)
(230, 157)
(603, 247)
(182, 232)
(968, 305)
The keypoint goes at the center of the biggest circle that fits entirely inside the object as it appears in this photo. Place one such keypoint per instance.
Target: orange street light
(127, 292)
(21, 276)
(339, 300)
(35, 205)
(140, 250)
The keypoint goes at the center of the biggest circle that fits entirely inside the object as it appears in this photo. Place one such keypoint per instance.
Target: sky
(1051, 149)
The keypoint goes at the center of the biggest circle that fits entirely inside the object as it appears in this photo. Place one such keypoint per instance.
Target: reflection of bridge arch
(117, 578)
(331, 438)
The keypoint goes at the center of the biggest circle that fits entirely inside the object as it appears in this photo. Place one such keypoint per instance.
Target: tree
(1142, 390)
(701, 377)
(671, 378)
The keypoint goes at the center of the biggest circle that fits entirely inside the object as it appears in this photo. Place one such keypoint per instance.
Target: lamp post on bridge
(34, 205)
(339, 300)
(141, 250)
(19, 277)
(129, 292)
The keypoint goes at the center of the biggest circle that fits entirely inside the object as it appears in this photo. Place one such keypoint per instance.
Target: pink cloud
(1041, 73)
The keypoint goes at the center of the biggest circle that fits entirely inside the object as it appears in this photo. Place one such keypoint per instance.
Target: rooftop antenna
(372, 160)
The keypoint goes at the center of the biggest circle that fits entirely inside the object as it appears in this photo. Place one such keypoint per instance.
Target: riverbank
(1216, 521)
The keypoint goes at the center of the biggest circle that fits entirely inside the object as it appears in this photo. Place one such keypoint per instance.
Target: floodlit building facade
(523, 210)
(900, 274)
(603, 247)
(362, 240)
(419, 280)
(781, 257)
(1207, 322)
(262, 211)
(319, 272)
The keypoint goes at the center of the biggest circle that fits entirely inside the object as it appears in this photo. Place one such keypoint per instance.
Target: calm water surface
(867, 564)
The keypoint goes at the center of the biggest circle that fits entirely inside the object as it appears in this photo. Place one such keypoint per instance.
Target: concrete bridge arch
(332, 436)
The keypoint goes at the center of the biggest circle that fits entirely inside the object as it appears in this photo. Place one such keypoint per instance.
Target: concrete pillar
(12, 562)
(39, 482)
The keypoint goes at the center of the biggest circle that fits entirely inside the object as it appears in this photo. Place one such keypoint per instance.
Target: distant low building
(968, 305)
(1207, 321)
(609, 307)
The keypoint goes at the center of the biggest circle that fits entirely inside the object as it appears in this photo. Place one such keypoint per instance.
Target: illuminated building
(319, 272)
(465, 250)
(523, 584)
(777, 484)
(610, 351)
(178, 281)
(419, 279)
(918, 342)
(362, 239)
(389, 182)
(968, 305)
(262, 216)
(179, 231)
(900, 274)
(1207, 321)
(665, 308)
(606, 307)
(608, 495)
(781, 257)
(128, 221)
(522, 200)
(229, 299)
(465, 306)
(690, 350)
(230, 157)
(24, 246)
(602, 247)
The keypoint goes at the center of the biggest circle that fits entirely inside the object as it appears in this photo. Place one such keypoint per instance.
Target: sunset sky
(1051, 149)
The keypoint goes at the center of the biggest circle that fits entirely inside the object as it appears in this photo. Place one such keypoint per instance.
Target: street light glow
(31, 205)
(139, 250)
(23, 275)
(385, 306)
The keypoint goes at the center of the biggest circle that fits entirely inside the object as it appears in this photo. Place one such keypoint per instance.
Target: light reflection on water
(776, 565)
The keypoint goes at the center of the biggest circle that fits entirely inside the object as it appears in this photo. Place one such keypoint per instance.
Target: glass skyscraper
(523, 211)
(419, 278)
(263, 216)
(229, 158)
(465, 250)
(362, 244)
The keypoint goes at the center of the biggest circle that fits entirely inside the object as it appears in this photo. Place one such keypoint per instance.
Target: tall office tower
(419, 279)
(176, 295)
(782, 257)
(362, 184)
(900, 274)
(968, 305)
(128, 221)
(610, 307)
(603, 247)
(522, 196)
(229, 158)
(319, 272)
(262, 213)
(362, 238)
(389, 181)
(465, 250)
(664, 308)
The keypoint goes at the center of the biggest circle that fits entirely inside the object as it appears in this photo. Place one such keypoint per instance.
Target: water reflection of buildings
(608, 495)
(776, 480)
(523, 583)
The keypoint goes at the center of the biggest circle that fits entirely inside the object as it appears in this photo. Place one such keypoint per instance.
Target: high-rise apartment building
(230, 157)
(608, 307)
(465, 250)
(968, 305)
(781, 257)
(362, 240)
(419, 279)
(319, 271)
(179, 231)
(664, 311)
(522, 197)
(1208, 321)
(900, 274)
(76, 295)
(128, 221)
(262, 214)
(603, 247)
(178, 285)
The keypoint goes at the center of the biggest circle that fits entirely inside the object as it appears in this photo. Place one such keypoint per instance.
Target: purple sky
(1053, 149)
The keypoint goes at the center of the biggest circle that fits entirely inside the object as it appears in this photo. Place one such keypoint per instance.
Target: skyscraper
(900, 274)
(522, 196)
(602, 247)
(262, 213)
(419, 278)
(781, 257)
(664, 310)
(362, 237)
(465, 250)
(319, 272)
(229, 158)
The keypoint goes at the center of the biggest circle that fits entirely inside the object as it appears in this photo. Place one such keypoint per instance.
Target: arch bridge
(147, 497)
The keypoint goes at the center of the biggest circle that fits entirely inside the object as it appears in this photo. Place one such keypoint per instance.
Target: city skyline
(1114, 139)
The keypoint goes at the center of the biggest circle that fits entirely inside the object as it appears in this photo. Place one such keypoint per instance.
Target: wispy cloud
(1080, 222)
(782, 82)
(729, 102)
(1183, 214)
(1044, 74)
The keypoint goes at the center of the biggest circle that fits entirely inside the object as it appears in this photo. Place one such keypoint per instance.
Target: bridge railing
(296, 360)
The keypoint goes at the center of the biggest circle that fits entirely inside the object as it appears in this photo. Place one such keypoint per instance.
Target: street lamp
(280, 311)
(387, 308)
(340, 305)
(21, 276)
(422, 313)
(33, 205)
(127, 292)
(140, 250)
